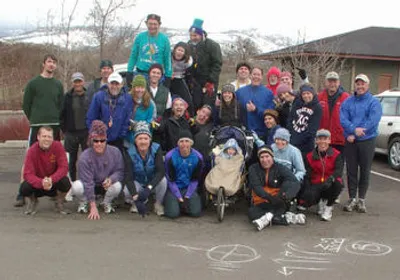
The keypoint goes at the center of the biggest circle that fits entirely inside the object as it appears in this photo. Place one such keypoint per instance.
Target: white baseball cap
(115, 77)
(362, 77)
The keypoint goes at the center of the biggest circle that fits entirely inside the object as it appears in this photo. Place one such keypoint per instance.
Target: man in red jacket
(45, 172)
(331, 98)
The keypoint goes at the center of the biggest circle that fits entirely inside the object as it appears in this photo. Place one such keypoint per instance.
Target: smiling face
(280, 143)
(203, 115)
(227, 96)
(273, 80)
(195, 38)
(49, 66)
(266, 160)
(256, 77)
(332, 85)
(323, 143)
(105, 72)
(45, 138)
(114, 88)
(99, 144)
(138, 92)
(78, 85)
(142, 142)
(243, 73)
(155, 76)
(153, 26)
(307, 96)
(361, 87)
(179, 53)
(184, 146)
(269, 121)
(178, 108)
(287, 81)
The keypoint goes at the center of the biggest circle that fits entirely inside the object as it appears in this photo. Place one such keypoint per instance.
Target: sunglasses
(99, 140)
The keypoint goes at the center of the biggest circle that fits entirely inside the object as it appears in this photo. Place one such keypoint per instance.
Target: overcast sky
(315, 19)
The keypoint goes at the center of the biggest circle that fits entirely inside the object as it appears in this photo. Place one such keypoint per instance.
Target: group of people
(149, 135)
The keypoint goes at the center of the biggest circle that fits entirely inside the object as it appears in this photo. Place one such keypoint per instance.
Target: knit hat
(176, 98)
(272, 113)
(139, 81)
(156, 66)
(106, 63)
(286, 74)
(141, 127)
(307, 87)
(243, 64)
(185, 134)
(282, 133)
(197, 26)
(323, 133)
(282, 88)
(98, 129)
(265, 149)
(228, 88)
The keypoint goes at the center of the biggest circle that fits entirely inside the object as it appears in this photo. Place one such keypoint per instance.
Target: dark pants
(200, 98)
(311, 194)
(172, 207)
(119, 143)
(72, 142)
(257, 211)
(180, 88)
(359, 156)
(35, 129)
(63, 186)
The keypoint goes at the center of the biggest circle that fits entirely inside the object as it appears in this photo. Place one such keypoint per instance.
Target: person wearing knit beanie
(98, 130)
(283, 134)
(283, 88)
(139, 81)
(271, 119)
(141, 127)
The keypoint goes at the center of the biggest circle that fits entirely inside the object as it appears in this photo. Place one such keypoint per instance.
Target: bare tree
(102, 16)
(242, 49)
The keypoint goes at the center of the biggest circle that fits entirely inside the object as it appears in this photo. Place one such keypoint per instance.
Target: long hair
(145, 99)
(185, 46)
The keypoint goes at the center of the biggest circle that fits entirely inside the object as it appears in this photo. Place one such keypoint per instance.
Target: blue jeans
(173, 208)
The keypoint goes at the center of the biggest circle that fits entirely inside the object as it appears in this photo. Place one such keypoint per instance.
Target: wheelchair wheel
(221, 204)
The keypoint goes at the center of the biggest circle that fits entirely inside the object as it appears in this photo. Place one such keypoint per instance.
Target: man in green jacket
(42, 104)
(207, 63)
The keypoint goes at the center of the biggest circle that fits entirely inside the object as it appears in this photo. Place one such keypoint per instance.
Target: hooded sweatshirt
(273, 71)
(303, 123)
(290, 157)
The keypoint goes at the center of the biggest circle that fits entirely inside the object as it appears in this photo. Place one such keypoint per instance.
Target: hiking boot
(31, 207)
(263, 221)
(321, 206)
(20, 202)
(108, 208)
(327, 214)
(294, 219)
(351, 204)
(361, 208)
(83, 207)
(158, 209)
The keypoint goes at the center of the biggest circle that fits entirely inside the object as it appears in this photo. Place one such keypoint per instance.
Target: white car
(388, 140)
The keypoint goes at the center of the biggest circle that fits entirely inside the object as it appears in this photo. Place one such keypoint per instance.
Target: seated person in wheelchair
(226, 172)
(272, 185)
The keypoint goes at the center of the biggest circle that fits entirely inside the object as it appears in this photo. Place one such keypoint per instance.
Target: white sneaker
(294, 219)
(327, 215)
(159, 209)
(321, 206)
(133, 208)
(263, 221)
(68, 196)
(361, 206)
(83, 207)
(108, 208)
(351, 204)
(301, 208)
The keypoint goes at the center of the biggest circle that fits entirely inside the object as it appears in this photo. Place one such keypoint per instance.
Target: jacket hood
(232, 143)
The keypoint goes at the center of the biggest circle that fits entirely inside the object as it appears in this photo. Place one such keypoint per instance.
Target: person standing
(150, 47)
(359, 115)
(243, 70)
(159, 93)
(273, 78)
(106, 69)
(206, 68)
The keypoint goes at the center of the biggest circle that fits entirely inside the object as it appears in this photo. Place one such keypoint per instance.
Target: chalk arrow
(288, 270)
(292, 255)
(295, 248)
(282, 261)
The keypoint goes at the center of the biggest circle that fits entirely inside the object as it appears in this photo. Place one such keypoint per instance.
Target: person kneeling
(101, 170)
(323, 181)
(45, 172)
(183, 166)
(272, 185)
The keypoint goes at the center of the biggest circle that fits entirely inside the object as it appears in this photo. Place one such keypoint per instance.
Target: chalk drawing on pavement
(368, 248)
(332, 245)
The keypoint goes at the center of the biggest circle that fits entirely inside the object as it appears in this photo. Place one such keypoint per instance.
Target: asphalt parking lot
(123, 245)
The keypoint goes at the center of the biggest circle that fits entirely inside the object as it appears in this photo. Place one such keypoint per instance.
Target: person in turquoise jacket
(359, 116)
(150, 47)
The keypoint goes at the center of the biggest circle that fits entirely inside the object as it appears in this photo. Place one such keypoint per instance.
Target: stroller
(227, 178)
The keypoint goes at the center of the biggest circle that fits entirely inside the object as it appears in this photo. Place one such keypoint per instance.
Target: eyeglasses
(99, 140)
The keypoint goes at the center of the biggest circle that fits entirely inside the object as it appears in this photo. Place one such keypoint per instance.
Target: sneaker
(19, 203)
(159, 209)
(327, 214)
(301, 208)
(351, 204)
(263, 221)
(83, 207)
(31, 207)
(321, 206)
(294, 219)
(68, 196)
(108, 208)
(133, 208)
(361, 208)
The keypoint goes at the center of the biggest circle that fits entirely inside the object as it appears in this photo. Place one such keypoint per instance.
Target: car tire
(394, 153)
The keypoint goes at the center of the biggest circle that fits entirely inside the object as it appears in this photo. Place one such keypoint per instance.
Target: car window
(389, 106)
(398, 107)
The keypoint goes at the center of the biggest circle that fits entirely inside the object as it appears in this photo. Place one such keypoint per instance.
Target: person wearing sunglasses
(101, 171)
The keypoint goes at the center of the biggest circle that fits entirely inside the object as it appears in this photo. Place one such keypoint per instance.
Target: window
(389, 106)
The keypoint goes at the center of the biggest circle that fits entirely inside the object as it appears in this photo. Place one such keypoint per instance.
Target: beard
(114, 92)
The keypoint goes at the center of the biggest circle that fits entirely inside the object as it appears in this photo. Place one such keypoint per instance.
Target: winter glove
(208, 89)
(257, 140)
(329, 181)
(141, 207)
(185, 205)
(144, 194)
(129, 79)
(302, 73)
(167, 82)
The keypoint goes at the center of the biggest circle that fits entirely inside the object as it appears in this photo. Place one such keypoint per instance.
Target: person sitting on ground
(287, 154)
(272, 185)
(144, 169)
(183, 166)
(101, 171)
(228, 112)
(45, 172)
(323, 181)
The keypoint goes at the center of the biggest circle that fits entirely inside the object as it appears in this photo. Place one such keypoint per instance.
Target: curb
(14, 144)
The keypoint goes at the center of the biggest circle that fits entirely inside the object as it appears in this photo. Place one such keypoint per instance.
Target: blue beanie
(307, 87)
(282, 133)
(197, 26)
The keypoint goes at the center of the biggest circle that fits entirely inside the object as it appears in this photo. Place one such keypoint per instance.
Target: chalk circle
(368, 248)
(235, 253)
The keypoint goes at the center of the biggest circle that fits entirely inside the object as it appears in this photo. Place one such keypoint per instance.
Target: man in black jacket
(72, 121)
(106, 69)
(272, 185)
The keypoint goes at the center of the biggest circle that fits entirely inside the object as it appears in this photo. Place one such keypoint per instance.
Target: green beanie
(139, 81)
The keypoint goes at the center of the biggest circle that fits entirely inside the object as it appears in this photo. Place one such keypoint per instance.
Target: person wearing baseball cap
(359, 116)
(184, 167)
(106, 68)
(272, 185)
(323, 181)
(144, 170)
(72, 120)
(112, 105)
